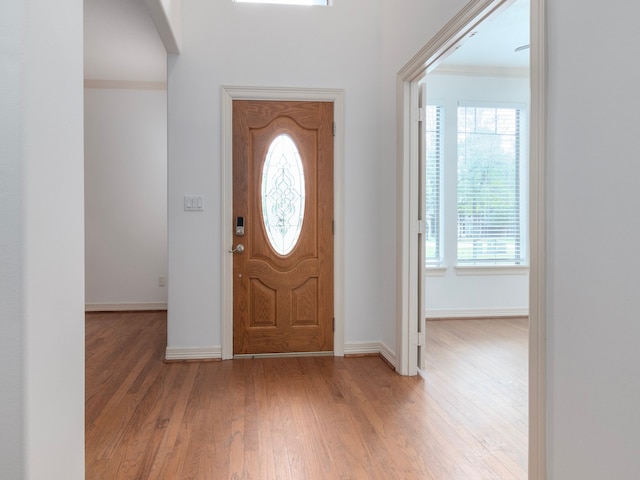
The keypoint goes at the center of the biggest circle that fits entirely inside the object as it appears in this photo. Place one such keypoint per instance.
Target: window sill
(435, 271)
(462, 270)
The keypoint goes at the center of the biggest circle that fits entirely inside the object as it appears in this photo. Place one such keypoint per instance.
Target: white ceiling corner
(121, 42)
(493, 44)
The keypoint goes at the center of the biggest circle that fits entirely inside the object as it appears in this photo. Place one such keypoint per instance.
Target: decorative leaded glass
(283, 194)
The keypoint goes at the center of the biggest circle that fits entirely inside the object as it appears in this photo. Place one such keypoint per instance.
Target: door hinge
(420, 339)
(422, 227)
(334, 324)
(333, 129)
(333, 227)
(418, 114)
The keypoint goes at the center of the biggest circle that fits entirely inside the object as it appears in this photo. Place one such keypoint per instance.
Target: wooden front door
(283, 199)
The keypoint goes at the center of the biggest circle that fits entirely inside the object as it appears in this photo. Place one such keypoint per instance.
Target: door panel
(283, 302)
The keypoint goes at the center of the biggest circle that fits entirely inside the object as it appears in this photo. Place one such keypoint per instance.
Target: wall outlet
(161, 281)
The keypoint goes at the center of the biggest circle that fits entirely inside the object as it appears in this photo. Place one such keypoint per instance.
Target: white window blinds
(433, 254)
(489, 203)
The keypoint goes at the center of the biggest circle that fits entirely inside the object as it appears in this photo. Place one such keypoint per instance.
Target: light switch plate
(193, 203)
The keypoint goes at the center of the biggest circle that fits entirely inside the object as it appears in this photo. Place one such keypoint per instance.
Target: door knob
(237, 249)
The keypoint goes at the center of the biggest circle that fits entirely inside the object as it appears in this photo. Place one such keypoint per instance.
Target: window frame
(438, 262)
(498, 266)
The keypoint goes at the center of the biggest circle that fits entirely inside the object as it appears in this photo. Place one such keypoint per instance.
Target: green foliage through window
(489, 203)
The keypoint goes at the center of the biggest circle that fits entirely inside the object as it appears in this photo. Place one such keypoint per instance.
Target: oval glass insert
(283, 194)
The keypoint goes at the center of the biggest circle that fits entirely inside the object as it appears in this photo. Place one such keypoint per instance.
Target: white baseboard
(368, 348)
(477, 312)
(388, 354)
(121, 307)
(193, 353)
(215, 353)
(361, 348)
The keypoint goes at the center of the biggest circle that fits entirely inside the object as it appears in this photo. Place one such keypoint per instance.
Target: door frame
(228, 95)
(407, 226)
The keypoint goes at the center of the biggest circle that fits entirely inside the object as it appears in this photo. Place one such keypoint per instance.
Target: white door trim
(408, 269)
(538, 251)
(229, 94)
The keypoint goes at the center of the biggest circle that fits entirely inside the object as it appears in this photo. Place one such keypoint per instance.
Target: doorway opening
(412, 223)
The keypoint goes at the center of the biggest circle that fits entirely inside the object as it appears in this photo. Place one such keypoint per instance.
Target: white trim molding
(435, 271)
(229, 94)
(192, 353)
(538, 237)
(369, 348)
(362, 348)
(124, 307)
(470, 270)
(124, 84)
(476, 312)
(389, 355)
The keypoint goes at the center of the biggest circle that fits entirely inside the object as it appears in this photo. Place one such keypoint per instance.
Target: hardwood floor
(305, 418)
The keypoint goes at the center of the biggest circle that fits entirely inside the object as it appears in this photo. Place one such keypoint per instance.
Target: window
(287, 2)
(283, 194)
(490, 208)
(433, 254)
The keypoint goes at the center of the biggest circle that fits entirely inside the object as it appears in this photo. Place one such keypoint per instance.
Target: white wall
(358, 46)
(227, 43)
(121, 42)
(454, 295)
(12, 351)
(42, 363)
(406, 26)
(593, 324)
(125, 197)
(593, 327)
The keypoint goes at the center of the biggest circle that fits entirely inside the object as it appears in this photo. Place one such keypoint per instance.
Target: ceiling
(122, 43)
(494, 42)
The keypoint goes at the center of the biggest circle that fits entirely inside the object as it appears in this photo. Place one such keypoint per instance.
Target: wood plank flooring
(305, 418)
